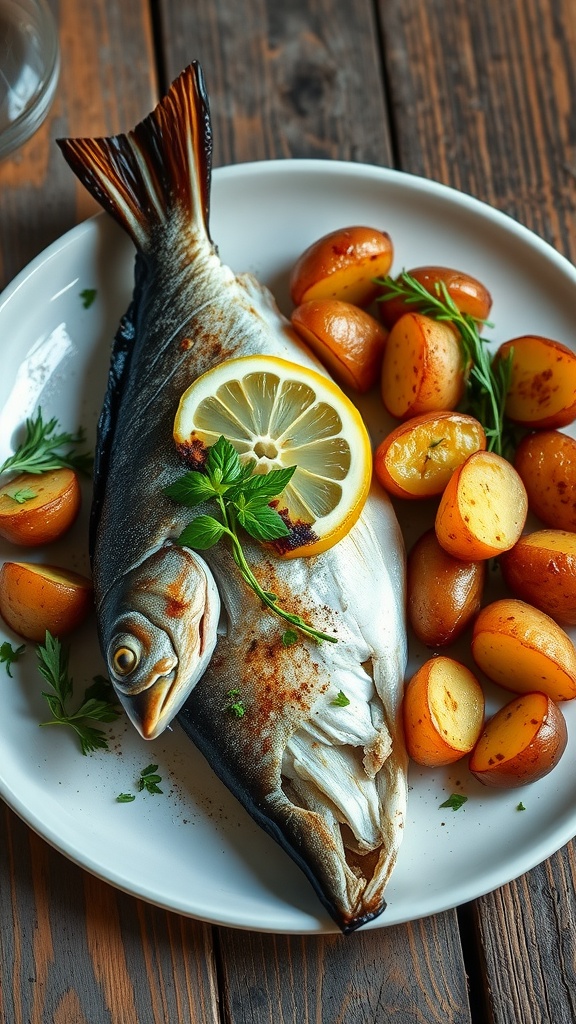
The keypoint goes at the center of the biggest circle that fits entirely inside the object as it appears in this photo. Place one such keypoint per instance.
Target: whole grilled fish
(179, 632)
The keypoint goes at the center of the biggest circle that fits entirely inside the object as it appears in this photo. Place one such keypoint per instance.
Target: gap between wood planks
(480, 1011)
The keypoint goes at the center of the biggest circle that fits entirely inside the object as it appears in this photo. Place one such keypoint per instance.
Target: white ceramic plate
(194, 849)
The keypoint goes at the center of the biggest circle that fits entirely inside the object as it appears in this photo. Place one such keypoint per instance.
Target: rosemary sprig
(39, 451)
(243, 499)
(96, 705)
(487, 383)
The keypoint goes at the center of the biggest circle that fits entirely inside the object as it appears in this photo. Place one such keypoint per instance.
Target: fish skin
(189, 312)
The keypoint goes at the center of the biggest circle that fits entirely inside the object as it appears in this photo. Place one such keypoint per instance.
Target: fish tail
(163, 165)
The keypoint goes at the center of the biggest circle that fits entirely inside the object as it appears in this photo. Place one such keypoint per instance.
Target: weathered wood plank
(75, 949)
(298, 79)
(531, 968)
(406, 973)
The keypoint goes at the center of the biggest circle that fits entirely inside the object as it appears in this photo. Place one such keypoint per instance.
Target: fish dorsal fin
(162, 166)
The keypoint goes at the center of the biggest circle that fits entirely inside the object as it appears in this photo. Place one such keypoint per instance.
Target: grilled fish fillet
(178, 631)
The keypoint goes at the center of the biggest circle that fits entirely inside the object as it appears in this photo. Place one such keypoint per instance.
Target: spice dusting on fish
(317, 756)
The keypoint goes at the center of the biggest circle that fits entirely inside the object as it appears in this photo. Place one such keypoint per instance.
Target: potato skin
(546, 462)
(535, 760)
(422, 369)
(444, 593)
(342, 265)
(542, 391)
(541, 569)
(418, 457)
(469, 294)
(44, 517)
(523, 649)
(35, 598)
(347, 340)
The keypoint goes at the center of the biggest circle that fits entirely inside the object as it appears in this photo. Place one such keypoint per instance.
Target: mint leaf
(263, 524)
(341, 700)
(125, 798)
(191, 489)
(264, 485)
(202, 533)
(222, 463)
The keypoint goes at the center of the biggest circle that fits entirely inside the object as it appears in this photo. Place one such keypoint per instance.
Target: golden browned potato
(467, 293)
(523, 649)
(546, 461)
(417, 459)
(443, 712)
(347, 340)
(37, 508)
(443, 593)
(522, 743)
(483, 508)
(422, 369)
(342, 265)
(35, 598)
(541, 569)
(542, 390)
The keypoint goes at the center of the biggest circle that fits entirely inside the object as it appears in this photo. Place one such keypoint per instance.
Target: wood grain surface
(481, 97)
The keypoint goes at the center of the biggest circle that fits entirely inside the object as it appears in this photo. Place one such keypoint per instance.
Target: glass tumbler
(29, 66)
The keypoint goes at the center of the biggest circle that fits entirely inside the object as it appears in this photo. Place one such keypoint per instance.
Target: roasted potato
(443, 712)
(546, 462)
(443, 593)
(541, 569)
(523, 649)
(342, 265)
(37, 508)
(467, 293)
(417, 459)
(522, 743)
(423, 368)
(483, 509)
(542, 390)
(346, 339)
(35, 598)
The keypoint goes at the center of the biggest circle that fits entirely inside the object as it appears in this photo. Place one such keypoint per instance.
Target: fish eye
(124, 661)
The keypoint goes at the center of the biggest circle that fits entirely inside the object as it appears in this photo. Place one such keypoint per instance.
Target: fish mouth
(150, 709)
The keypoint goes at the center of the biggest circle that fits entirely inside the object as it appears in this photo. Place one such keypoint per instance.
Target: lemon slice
(279, 414)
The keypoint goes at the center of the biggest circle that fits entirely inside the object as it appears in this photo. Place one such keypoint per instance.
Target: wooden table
(483, 98)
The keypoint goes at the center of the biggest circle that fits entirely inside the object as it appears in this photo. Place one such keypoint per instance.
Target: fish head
(158, 630)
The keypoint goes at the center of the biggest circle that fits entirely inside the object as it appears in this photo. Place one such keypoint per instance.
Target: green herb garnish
(8, 655)
(289, 637)
(53, 666)
(520, 807)
(487, 384)
(88, 295)
(243, 498)
(39, 452)
(149, 779)
(21, 494)
(341, 700)
(236, 706)
(455, 801)
(125, 798)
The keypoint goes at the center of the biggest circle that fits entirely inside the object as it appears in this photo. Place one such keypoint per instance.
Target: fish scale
(180, 632)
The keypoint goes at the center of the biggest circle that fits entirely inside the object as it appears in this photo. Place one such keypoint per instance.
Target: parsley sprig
(487, 382)
(243, 499)
(96, 705)
(8, 655)
(40, 449)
